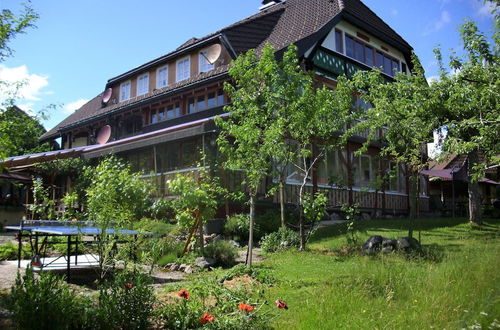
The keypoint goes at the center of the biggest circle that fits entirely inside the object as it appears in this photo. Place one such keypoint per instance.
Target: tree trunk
(201, 240)
(473, 189)
(413, 177)
(302, 232)
(282, 199)
(250, 229)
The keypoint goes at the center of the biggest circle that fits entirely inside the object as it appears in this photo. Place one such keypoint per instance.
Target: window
(369, 56)
(143, 84)
(220, 97)
(183, 71)
(359, 51)
(190, 105)
(200, 103)
(153, 118)
(173, 110)
(204, 66)
(161, 114)
(403, 67)
(211, 100)
(366, 171)
(339, 41)
(162, 77)
(125, 91)
(349, 46)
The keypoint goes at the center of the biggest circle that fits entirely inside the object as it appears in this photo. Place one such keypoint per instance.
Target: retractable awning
(449, 174)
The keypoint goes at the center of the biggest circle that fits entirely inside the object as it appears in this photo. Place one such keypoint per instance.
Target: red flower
(281, 304)
(245, 308)
(207, 318)
(129, 286)
(183, 293)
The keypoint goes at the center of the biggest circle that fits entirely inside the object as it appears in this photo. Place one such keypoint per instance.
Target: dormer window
(162, 77)
(183, 66)
(143, 84)
(204, 65)
(125, 91)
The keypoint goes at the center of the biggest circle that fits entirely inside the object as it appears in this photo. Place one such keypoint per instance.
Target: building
(160, 114)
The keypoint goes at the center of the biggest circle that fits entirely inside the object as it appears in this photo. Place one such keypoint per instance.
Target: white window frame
(146, 87)
(203, 65)
(182, 76)
(125, 96)
(158, 79)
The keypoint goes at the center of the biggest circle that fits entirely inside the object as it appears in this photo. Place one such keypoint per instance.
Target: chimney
(268, 3)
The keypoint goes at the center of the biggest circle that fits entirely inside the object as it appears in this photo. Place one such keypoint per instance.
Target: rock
(406, 243)
(365, 216)
(188, 270)
(389, 245)
(373, 244)
(174, 267)
(203, 262)
(235, 244)
(182, 267)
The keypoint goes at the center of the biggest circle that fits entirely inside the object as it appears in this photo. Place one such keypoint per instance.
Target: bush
(280, 240)
(125, 303)
(8, 251)
(267, 222)
(237, 226)
(45, 303)
(223, 252)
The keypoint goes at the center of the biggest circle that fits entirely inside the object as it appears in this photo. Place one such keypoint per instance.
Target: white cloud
(484, 9)
(30, 85)
(73, 106)
(438, 25)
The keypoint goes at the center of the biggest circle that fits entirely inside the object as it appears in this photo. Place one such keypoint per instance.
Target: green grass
(451, 284)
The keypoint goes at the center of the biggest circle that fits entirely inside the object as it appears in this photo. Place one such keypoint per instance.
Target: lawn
(454, 283)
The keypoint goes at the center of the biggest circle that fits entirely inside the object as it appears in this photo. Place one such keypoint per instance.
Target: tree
(252, 133)
(116, 198)
(12, 125)
(404, 110)
(470, 104)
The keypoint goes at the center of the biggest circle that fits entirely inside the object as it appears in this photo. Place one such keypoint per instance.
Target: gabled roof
(303, 22)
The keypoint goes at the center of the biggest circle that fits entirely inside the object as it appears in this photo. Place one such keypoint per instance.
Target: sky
(78, 45)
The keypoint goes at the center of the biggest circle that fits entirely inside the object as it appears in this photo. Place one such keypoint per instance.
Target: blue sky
(78, 45)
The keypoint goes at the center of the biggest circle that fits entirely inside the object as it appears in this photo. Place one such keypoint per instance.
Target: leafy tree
(470, 104)
(116, 198)
(253, 133)
(14, 129)
(404, 110)
(196, 202)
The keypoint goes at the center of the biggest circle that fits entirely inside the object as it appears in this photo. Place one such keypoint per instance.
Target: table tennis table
(74, 231)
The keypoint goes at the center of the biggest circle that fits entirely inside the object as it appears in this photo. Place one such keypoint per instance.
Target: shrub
(45, 303)
(268, 222)
(125, 303)
(280, 240)
(8, 251)
(223, 252)
(237, 226)
(162, 209)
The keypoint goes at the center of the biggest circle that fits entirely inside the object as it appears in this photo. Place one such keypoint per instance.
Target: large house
(160, 114)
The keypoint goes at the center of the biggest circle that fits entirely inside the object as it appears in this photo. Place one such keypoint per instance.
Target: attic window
(183, 69)
(125, 91)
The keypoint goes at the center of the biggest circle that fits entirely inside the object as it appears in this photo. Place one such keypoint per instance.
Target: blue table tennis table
(36, 230)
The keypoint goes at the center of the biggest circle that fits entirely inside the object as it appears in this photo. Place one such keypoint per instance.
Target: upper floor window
(203, 62)
(143, 84)
(339, 41)
(125, 91)
(162, 77)
(183, 69)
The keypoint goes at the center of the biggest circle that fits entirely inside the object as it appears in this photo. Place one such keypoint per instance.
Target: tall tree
(404, 111)
(252, 133)
(470, 111)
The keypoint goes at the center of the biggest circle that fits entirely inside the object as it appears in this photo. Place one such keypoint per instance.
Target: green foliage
(236, 227)
(352, 214)
(281, 240)
(267, 222)
(45, 303)
(224, 252)
(210, 296)
(43, 205)
(125, 303)
(163, 209)
(8, 251)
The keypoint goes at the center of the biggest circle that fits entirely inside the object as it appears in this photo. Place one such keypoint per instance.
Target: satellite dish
(213, 52)
(106, 96)
(104, 134)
